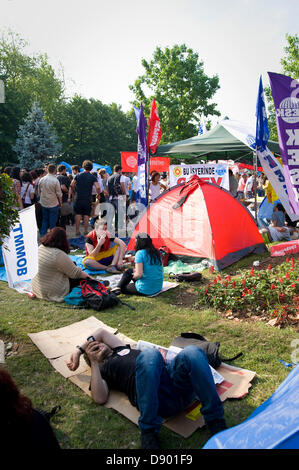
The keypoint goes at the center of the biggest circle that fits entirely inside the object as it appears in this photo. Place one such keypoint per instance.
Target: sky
(100, 44)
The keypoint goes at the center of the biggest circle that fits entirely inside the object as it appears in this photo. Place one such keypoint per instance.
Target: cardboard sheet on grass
(57, 345)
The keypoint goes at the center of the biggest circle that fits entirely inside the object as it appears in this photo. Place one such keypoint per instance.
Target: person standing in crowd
(27, 190)
(233, 184)
(83, 183)
(128, 185)
(104, 176)
(16, 186)
(164, 180)
(117, 192)
(134, 187)
(241, 186)
(65, 189)
(75, 170)
(155, 186)
(50, 199)
(248, 190)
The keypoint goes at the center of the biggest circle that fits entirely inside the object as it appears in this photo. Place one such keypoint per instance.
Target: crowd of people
(156, 388)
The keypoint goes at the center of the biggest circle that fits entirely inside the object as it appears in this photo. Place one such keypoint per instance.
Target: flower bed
(272, 292)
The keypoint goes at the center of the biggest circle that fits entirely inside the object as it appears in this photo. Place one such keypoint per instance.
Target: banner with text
(213, 173)
(20, 249)
(285, 91)
(271, 166)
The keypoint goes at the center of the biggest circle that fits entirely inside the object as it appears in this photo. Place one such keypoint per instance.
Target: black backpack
(97, 296)
(114, 185)
(209, 348)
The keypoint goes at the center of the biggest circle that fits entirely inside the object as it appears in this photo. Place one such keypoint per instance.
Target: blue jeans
(49, 219)
(165, 390)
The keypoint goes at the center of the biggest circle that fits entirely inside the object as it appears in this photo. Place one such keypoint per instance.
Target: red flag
(154, 129)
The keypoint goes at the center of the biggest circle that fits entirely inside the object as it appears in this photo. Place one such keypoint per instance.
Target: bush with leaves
(273, 291)
(8, 200)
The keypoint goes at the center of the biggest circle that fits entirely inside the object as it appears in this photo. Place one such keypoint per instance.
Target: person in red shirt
(103, 252)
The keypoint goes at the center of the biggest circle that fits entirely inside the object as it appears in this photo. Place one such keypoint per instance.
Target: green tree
(27, 78)
(8, 200)
(290, 67)
(176, 79)
(87, 128)
(36, 140)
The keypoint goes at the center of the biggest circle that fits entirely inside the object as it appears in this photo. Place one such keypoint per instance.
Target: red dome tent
(201, 220)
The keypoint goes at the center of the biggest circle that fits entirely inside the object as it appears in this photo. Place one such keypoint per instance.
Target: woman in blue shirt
(147, 277)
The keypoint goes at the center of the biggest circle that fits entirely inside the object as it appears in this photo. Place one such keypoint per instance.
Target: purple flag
(285, 92)
(142, 156)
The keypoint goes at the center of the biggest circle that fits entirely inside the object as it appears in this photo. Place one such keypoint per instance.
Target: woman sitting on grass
(103, 251)
(147, 277)
(57, 273)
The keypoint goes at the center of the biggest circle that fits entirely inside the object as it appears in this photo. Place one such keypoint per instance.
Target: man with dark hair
(158, 389)
(50, 195)
(82, 184)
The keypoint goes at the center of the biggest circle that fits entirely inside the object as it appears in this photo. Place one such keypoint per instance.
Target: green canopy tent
(218, 143)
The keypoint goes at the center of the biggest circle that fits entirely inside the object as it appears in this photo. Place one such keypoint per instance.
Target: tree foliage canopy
(176, 79)
(26, 79)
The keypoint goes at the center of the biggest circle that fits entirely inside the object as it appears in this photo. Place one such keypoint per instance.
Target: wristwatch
(81, 349)
(91, 338)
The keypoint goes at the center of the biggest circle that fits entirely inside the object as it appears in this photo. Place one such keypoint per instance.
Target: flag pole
(254, 183)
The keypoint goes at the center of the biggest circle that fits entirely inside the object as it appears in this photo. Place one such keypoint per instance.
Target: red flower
(287, 275)
(281, 280)
(219, 277)
(215, 281)
(211, 269)
(228, 278)
(293, 285)
(243, 294)
(287, 260)
(269, 267)
(254, 287)
(245, 289)
(234, 284)
(243, 282)
(272, 287)
(206, 291)
(252, 272)
(249, 291)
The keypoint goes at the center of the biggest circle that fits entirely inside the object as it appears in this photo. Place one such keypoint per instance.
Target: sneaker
(149, 440)
(113, 270)
(116, 290)
(217, 425)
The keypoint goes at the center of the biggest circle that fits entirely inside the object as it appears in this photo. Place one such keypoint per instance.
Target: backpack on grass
(97, 296)
(208, 347)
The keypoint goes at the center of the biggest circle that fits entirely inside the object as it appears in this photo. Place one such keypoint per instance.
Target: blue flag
(202, 126)
(262, 129)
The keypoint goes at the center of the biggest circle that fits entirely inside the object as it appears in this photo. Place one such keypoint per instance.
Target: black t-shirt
(119, 371)
(64, 180)
(84, 184)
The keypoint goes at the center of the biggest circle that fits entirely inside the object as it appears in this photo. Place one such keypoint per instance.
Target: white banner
(270, 164)
(213, 173)
(20, 249)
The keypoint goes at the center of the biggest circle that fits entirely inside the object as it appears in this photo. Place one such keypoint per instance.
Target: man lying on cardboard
(157, 389)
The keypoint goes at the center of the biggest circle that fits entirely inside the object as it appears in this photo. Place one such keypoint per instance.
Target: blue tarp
(96, 167)
(273, 425)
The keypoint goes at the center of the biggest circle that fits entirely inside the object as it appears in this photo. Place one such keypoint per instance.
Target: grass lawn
(81, 423)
